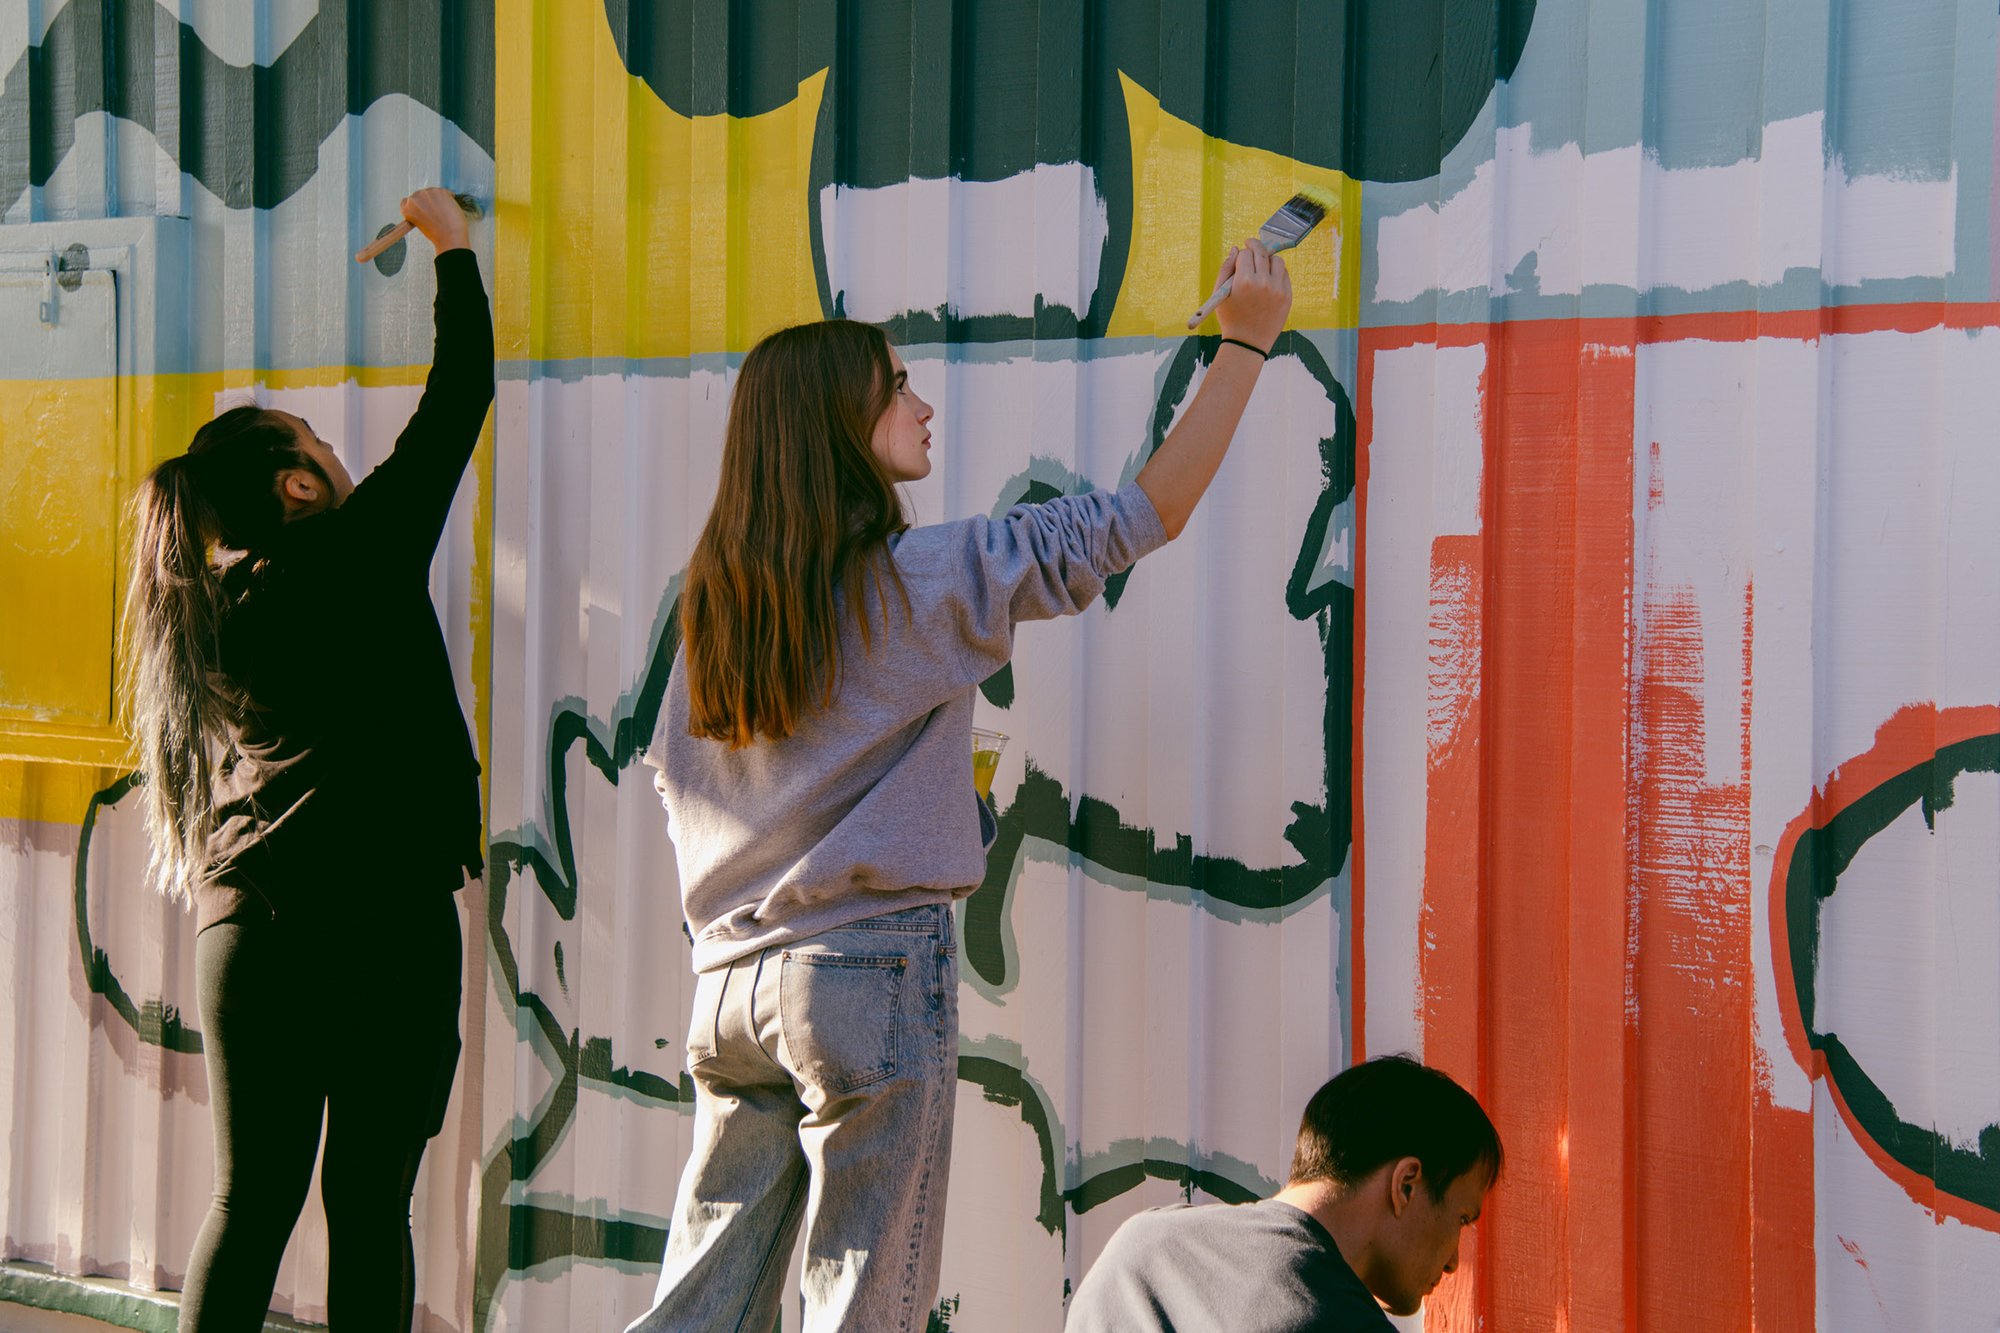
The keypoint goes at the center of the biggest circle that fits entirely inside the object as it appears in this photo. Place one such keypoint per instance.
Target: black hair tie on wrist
(1262, 355)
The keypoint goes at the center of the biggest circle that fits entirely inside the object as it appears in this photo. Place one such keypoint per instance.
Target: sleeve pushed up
(1036, 562)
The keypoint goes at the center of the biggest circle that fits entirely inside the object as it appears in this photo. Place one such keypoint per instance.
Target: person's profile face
(902, 438)
(1426, 1238)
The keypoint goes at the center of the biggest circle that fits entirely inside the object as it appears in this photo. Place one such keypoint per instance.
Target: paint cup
(986, 748)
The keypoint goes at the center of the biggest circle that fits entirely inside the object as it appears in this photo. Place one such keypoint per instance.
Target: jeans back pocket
(840, 1012)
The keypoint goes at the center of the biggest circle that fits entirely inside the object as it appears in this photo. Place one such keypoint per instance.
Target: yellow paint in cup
(986, 748)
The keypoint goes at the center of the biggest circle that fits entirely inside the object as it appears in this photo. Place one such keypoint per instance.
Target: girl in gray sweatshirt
(816, 770)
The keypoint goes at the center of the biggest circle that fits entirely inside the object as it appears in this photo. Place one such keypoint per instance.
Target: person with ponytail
(312, 794)
(816, 768)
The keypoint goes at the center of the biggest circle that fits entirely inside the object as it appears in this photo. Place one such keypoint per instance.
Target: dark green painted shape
(538, 1235)
(156, 1023)
(1819, 858)
(999, 687)
(1108, 1185)
(985, 89)
(1097, 832)
(610, 753)
(251, 134)
(1004, 1085)
(982, 90)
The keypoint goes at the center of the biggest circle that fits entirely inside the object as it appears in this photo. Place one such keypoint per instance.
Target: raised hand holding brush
(1253, 298)
(1295, 218)
(438, 213)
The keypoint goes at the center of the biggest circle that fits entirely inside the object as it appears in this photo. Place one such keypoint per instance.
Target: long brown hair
(220, 496)
(803, 508)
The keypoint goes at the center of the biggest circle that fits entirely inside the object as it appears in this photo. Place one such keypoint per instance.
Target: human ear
(1404, 1178)
(299, 489)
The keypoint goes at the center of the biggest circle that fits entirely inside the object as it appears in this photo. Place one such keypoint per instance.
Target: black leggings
(356, 1018)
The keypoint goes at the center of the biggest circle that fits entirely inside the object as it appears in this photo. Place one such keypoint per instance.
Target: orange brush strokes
(1448, 938)
(1584, 944)
(1521, 960)
(1784, 1265)
(1693, 985)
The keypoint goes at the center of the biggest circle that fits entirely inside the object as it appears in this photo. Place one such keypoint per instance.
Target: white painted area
(1172, 1016)
(1784, 378)
(998, 1262)
(1694, 413)
(1181, 1057)
(1845, 481)
(1424, 468)
(258, 37)
(1909, 963)
(1908, 441)
(1195, 705)
(1619, 218)
(976, 247)
(22, 25)
(1886, 1264)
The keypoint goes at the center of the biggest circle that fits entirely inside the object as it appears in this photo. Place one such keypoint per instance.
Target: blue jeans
(825, 1074)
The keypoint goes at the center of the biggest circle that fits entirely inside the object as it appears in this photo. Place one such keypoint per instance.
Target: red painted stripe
(1716, 326)
(1608, 1030)
(1694, 986)
(1602, 1055)
(1558, 524)
(1450, 940)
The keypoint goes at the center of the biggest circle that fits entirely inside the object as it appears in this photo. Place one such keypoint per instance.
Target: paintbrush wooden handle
(1208, 306)
(405, 227)
(383, 242)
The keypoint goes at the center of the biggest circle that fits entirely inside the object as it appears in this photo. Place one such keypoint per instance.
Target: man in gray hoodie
(1392, 1163)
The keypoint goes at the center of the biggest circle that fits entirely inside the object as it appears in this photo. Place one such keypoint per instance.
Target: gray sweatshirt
(869, 807)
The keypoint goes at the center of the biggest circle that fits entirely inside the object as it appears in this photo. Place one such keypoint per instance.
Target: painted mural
(1582, 673)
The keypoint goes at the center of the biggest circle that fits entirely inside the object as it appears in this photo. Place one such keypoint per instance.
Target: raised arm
(1179, 471)
(406, 500)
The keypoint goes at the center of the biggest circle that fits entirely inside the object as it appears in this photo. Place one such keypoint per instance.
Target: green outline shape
(1819, 858)
(156, 1022)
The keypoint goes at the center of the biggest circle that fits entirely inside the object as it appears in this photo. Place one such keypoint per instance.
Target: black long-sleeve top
(357, 780)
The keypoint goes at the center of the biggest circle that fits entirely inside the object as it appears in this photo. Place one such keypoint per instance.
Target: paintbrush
(1287, 227)
(403, 228)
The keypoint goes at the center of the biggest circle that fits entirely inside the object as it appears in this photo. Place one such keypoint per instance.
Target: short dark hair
(1389, 1108)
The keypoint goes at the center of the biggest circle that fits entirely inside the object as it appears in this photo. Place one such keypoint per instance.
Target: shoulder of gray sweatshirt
(868, 807)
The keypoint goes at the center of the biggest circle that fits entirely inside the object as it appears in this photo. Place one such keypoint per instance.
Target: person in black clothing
(311, 790)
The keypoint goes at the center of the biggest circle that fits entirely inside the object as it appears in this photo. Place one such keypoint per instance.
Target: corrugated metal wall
(1581, 673)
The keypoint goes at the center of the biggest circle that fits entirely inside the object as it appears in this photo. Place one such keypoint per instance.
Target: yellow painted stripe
(1193, 195)
(49, 793)
(325, 377)
(627, 230)
(238, 379)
